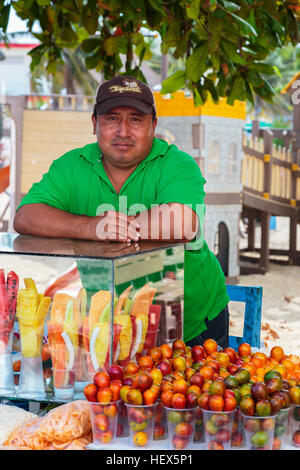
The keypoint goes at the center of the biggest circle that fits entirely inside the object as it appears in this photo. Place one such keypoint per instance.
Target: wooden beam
(267, 205)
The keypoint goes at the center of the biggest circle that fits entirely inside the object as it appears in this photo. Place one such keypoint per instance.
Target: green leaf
(262, 67)
(245, 27)
(196, 63)
(238, 91)
(230, 6)
(215, 60)
(93, 61)
(193, 9)
(90, 44)
(174, 82)
(215, 27)
(231, 53)
(89, 20)
(111, 45)
(43, 3)
(201, 32)
(68, 34)
(4, 17)
(157, 5)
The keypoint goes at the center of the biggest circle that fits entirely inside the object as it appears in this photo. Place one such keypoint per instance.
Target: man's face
(125, 135)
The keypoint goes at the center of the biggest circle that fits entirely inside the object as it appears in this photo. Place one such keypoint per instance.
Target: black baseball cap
(124, 91)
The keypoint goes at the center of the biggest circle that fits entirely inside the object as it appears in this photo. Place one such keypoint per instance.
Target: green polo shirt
(77, 183)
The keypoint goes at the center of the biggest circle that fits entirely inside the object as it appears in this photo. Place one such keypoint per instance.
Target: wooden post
(264, 246)
(293, 240)
(251, 232)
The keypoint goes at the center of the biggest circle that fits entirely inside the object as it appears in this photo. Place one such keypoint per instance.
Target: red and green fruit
(180, 443)
(296, 438)
(259, 391)
(101, 422)
(115, 372)
(198, 353)
(223, 436)
(102, 379)
(259, 438)
(247, 405)
(214, 445)
(263, 408)
(183, 429)
(90, 392)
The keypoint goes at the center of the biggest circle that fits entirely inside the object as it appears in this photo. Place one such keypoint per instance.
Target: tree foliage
(223, 45)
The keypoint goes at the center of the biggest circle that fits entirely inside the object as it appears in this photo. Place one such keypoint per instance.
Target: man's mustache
(122, 142)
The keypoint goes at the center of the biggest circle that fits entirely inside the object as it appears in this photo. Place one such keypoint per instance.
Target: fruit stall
(101, 352)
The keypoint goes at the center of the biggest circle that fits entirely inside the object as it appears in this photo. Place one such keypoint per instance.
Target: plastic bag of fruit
(66, 422)
(27, 435)
(57, 429)
(80, 443)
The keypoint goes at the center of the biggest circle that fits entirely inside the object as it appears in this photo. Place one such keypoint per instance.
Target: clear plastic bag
(58, 429)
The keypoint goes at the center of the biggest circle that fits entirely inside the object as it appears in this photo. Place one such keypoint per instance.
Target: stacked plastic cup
(282, 426)
(294, 434)
(141, 420)
(104, 418)
(218, 429)
(181, 427)
(259, 432)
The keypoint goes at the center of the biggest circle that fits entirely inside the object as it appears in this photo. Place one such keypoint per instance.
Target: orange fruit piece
(277, 353)
(210, 346)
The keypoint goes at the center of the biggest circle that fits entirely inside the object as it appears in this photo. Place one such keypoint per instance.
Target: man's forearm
(168, 222)
(45, 221)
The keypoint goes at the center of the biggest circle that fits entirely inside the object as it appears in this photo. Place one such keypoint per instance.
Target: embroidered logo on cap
(126, 86)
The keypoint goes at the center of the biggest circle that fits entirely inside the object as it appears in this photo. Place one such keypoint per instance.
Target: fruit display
(32, 309)
(218, 429)
(104, 397)
(135, 322)
(141, 420)
(181, 427)
(104, 419)
(295, 426)
(8, 302)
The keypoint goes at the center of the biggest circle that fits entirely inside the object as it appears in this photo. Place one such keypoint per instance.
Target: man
(82, 197)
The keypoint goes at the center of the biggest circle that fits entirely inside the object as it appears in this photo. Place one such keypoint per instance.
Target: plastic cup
(282, 426)
(259, 432)
(181, 427)
(141, 419)
(81, 371)
(218, 429)
(294, 434)
(7, 384)
(238, 435)
(104, 417)
(63, 380)
(31, 381)
(122, 426)
(199, 428)
(160, 426)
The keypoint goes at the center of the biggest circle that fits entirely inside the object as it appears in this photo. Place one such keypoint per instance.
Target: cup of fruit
(259, 432)
(103, 393)
(217, 429)
(160, 426)
(104, 417)
(295, 426)
(141, 421)
(181, 427)
(282, 426)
